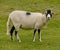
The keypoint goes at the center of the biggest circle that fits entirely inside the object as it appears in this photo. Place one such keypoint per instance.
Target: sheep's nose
(49, 18)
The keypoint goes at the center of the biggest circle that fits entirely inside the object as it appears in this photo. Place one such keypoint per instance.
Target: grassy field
(50, 35)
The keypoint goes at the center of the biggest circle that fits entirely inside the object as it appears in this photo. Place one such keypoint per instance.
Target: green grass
(50, 35)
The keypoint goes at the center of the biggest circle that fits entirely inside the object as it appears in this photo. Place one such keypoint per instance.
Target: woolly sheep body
(35, 20)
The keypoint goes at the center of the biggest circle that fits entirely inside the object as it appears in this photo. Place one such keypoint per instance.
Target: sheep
(27, 20)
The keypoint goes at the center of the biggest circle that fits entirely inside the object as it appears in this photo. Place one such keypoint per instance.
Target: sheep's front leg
(34, 37)
(16, 34)
(39, 35)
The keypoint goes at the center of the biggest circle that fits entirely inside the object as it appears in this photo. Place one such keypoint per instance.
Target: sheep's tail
(8, 24)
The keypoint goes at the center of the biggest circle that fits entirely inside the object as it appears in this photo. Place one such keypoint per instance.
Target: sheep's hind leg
(11, 32)
(16, 34)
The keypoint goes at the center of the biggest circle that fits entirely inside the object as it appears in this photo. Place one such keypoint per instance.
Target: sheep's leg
(16, 34)
(11, 32)
(39, 35)
(34, 37)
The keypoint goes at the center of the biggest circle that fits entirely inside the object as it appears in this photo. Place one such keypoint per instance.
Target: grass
(50, 35)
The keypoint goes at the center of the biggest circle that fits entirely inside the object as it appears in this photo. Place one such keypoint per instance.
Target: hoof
(19, 41)
(40, 40)
(33, 40)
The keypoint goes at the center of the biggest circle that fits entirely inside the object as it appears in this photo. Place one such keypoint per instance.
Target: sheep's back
(27, 21)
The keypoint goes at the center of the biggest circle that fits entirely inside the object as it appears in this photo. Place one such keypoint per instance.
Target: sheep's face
(48, 14)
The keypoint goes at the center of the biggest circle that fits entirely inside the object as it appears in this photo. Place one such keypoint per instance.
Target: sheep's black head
(48, 14)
